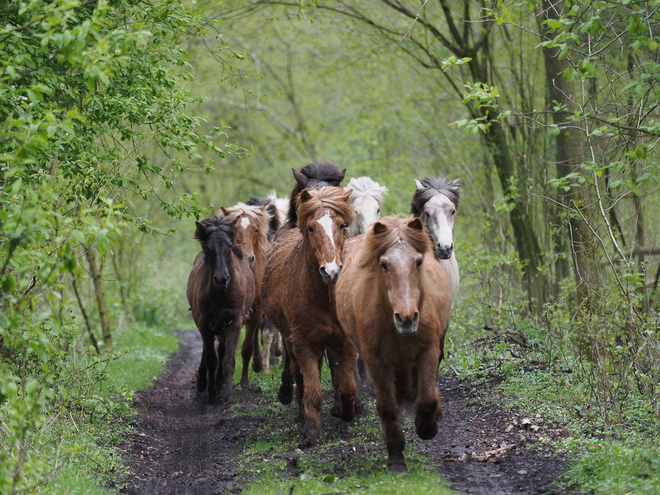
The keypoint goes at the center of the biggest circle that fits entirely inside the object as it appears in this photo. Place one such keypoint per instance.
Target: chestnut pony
(252, 226)
(301, 267)
(220, 293)
(394, 302)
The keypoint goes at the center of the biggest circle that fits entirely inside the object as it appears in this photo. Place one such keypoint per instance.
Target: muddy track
(181, 445)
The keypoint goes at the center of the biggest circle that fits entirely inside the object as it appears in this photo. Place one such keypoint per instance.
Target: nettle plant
(88, 90)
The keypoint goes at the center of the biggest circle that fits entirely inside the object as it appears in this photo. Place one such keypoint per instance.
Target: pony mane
(262, 217)
(432, 186)
(212, 224)
(274, 222)
(314, 176)
(334, 198)
(366, 186)
(375, 244)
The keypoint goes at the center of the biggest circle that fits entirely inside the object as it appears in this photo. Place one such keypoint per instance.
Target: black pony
(220, 293)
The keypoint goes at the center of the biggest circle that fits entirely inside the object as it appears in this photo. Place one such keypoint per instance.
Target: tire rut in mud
(182, 445)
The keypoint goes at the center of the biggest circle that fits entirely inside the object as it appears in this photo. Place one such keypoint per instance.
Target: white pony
(435, 202)
(366, 198)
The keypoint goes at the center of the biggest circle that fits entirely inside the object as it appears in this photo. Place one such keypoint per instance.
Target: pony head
(323, 219)
(251, 227)
(366, 198)
(397, 246)
(435, 202)
(215, 234)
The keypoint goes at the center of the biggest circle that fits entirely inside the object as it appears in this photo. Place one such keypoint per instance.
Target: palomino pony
(301, 267)
(251, 235)
(394, 303)
(435, 202)
(220, 293)
(312, 176)
(366, 199)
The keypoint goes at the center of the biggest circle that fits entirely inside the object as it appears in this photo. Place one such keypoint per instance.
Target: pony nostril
(398, 319)
(323, 272)
(415, 318)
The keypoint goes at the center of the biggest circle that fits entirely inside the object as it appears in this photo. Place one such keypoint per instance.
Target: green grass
(85, 435)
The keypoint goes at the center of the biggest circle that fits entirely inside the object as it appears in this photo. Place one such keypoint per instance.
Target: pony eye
(311, 230)
(418, 264)
(378, 211)
(384, 266)
(342, 226)
(453, 211)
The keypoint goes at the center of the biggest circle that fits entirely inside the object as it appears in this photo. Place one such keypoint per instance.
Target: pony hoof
(397, 465)
(257, 367)
(274, 361)
(427, 432)
(266, 371)
(285, 396)
(212, 399)
(336, 411)
(245, 383)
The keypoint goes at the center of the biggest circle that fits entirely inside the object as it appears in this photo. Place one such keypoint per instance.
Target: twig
(414, 21)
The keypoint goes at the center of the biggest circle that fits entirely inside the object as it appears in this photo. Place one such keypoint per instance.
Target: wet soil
(182, 445)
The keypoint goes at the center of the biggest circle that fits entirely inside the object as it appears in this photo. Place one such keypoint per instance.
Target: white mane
(365, 186)
(282, 205)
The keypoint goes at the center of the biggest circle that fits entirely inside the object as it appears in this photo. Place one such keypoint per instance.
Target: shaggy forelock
(214, 225)
(376, 244)
(433, 186)
(365, 186)
(326, 197)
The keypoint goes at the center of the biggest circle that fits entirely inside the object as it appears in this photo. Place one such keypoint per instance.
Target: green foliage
(85, 90)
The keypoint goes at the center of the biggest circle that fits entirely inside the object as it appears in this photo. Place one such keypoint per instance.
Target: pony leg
(285, 393)
(278, 346)
(229, 362)
(211, 363)
(389, 413)
(312, 396)
(428, 408)
(221, 355)
(267, 341)
(201, 372)
(248, 348)
(346, 393)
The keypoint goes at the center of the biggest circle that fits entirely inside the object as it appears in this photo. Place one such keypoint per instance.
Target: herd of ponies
(330, 276)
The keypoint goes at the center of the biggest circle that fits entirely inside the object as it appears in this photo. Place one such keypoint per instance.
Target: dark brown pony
(394, 303)
(301, 266)
(220, 293)
(312, 176)
(251, 228)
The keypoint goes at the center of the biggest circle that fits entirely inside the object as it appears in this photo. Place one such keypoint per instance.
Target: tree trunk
(569, 155)
(88, 324)
(95, 271)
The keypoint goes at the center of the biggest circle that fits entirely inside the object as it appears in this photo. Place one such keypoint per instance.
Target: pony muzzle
(444, 252)
(330, 273)
(222, 282)
(407, 325)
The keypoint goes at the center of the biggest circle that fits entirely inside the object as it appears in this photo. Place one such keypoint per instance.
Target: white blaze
(326, 222)
(245, 222)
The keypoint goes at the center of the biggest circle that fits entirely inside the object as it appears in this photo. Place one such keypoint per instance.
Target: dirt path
(181, 445)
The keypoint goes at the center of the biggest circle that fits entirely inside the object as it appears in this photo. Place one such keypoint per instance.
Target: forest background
(124, 121)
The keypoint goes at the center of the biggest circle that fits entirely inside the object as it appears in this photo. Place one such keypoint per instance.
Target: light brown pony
(394, 302)
(301, 267)
(251, 225)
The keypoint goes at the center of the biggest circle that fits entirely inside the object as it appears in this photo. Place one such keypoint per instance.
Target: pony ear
(347, 194)
(200, 231)
(264, 207)
(305, 196)
(416, 224)
(418, 184)
(342, 174)
(225, 211)
(379, 228)
(301, 178)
